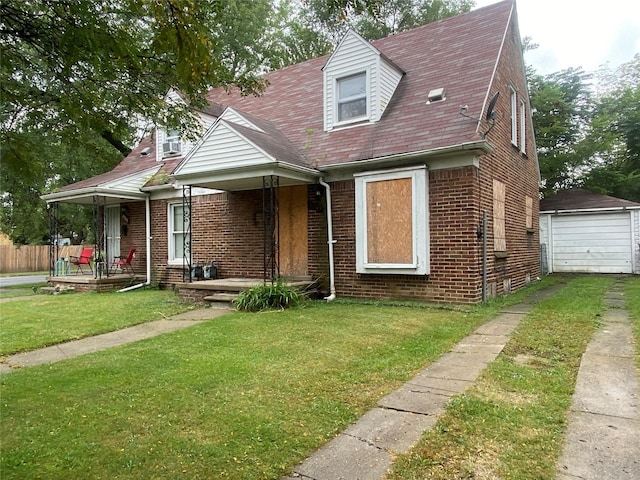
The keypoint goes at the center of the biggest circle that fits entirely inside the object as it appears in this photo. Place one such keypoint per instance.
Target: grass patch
(43, 320)
(244, 396)
(632, 296)
(510, 424)
(22, 290)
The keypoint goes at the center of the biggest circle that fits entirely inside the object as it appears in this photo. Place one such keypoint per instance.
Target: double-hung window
(178, 228)
(171, 145)
(392, 222)
(514, 118)
(352, 97)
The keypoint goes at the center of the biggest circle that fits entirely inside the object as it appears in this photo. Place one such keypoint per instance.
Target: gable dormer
(358, 83)
(170, 142)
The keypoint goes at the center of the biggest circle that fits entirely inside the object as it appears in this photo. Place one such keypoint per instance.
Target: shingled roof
(579, 199)
(458, 54)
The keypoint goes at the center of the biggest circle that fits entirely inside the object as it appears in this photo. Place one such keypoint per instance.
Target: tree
(562, 108)
(78, 77)
(614, 132)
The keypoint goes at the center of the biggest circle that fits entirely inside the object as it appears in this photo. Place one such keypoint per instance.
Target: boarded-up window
(392, 221)
(528, 212)
(389, 221)
(499, 235)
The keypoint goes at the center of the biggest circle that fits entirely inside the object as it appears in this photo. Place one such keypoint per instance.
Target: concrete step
(222, 299)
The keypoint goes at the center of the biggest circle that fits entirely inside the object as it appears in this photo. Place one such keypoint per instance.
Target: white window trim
(171, 136)
(171, 260)
(523, 127)
(420, 222)
(514, 117)
(362, 118)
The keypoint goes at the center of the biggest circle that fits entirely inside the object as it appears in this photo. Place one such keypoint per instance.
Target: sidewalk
(74, 348)
(603, 438)
(366, 449)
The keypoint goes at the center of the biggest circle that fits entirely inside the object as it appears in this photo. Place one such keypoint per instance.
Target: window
(392, 222)
(523, 127)
(499, 234)
(171, 144)
(514, 118)
(352, 97)
(178, 226)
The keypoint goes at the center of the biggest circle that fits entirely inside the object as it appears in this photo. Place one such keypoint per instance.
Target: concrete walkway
(74, 348)
(603, 437)
(366, 449)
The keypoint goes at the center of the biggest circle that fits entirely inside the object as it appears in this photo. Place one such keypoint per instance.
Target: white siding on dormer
(223, 148)
(390, 77)
(355, 55)
(187, 146)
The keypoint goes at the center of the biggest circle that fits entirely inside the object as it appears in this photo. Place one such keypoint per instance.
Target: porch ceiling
(250, 178)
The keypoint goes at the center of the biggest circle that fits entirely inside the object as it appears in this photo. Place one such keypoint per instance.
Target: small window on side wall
(351, 98)
(178, 225)
(392, 222)
(514, 118)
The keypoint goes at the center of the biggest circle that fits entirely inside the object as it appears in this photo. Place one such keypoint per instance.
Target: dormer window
(171, 145)
(358, 83)
(352, 97)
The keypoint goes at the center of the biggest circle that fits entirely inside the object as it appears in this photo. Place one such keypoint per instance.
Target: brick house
(405, 167)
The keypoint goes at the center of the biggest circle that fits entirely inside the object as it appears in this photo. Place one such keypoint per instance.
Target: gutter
(330, 242)
(147, 219)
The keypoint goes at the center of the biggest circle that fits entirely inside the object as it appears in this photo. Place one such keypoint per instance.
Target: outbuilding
(585, 232)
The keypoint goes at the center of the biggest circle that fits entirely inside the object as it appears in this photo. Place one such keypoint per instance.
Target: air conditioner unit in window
(169, 148)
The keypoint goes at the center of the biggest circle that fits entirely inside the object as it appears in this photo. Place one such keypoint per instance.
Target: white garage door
(593, 243)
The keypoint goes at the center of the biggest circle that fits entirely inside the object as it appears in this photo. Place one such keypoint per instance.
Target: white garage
(589, 233)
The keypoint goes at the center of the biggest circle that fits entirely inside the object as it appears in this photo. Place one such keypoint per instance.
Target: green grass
(23, 290)
(245, 396)
(510, 424)
(42, 320)
(632, 296)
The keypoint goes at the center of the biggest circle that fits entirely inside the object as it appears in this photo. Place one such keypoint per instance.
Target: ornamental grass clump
(268, 297)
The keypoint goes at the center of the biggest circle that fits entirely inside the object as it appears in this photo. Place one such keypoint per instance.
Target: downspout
(147, 220)
(330, 242)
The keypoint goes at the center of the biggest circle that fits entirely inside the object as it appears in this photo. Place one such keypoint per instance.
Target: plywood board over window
(390, 221)
(528, 212)
(499, 234)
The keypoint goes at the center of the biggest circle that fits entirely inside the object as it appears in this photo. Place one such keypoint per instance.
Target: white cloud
(575, 33)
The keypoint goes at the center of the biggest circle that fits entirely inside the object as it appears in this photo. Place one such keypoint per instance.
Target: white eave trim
(481, 147)
(84, 193)
(588, 210)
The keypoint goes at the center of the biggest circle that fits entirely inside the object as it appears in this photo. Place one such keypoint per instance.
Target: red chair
(84, 259)
(123, 263)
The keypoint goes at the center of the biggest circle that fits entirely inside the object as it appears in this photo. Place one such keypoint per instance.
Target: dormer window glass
(352, 97)
(171, 145)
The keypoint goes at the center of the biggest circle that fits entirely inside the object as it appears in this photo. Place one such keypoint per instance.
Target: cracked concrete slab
(410, 399)
(391, 430)
(346, 458)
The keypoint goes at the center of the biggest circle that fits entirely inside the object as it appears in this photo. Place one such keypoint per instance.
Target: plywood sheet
(390, 221)
(499, 234)
(293, 230)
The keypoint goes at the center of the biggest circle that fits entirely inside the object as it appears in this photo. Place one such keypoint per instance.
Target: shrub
(265, 297)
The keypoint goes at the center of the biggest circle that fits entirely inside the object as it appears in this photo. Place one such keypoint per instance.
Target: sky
(578, 33)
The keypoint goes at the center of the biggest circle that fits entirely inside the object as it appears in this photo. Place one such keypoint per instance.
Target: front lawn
(511, 422)
(245, 396)
(42, 320)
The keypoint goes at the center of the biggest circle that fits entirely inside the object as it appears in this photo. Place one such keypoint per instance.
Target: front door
(112, 231)
(292, 217)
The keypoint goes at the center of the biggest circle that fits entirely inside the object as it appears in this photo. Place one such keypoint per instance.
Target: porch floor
(87, 282)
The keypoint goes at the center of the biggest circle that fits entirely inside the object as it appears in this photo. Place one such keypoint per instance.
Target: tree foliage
(588, 129)
(78, 78)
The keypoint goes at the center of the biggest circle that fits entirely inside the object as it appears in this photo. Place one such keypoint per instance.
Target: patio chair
(84, 259)
(123, 263)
